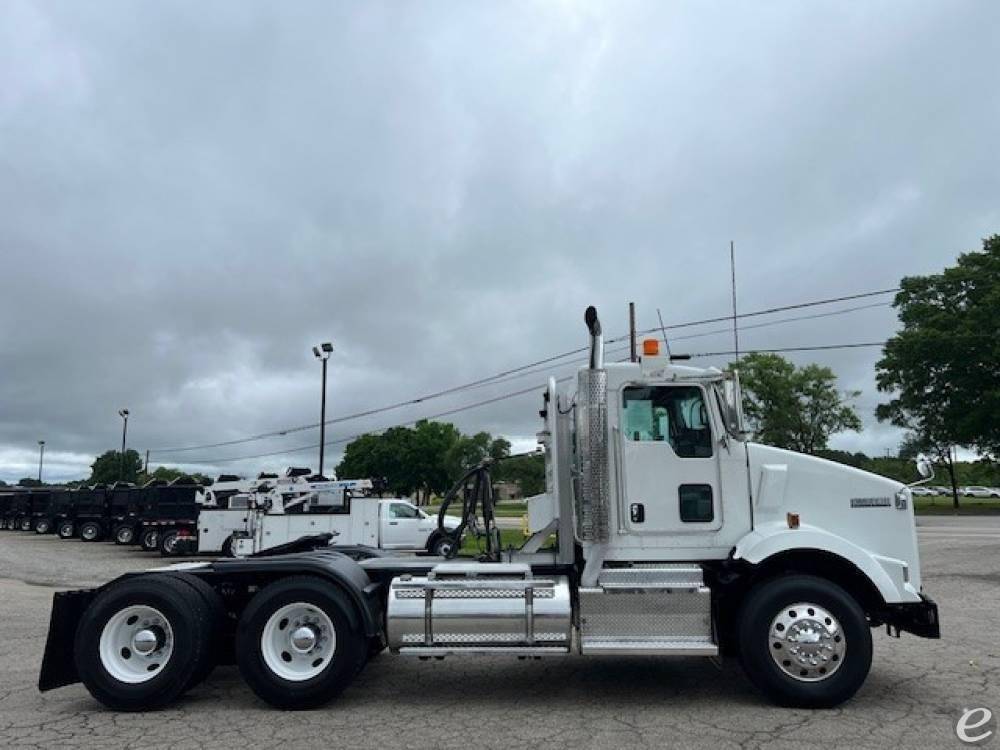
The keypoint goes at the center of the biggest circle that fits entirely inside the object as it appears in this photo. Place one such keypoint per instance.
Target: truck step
(427, 651)
(649, 576)
(656, 609)
(677, 646)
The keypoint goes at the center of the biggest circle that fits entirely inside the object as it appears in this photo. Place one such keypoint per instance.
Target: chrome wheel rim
(89, 533)
(806, 642)
(298, 642)
(42, 527)
(136, 644)
(124, 535)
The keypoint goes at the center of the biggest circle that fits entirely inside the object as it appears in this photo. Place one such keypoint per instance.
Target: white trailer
(675, 536)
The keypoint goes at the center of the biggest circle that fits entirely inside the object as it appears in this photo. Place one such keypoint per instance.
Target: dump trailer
(675, 535)
(17, 511)
(9, 508)
(93, 513)
(168, 511)
(63, 507)
(42, 515)
(123, 509)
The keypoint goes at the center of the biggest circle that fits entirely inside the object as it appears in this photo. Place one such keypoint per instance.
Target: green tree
(107, 467)
(466, 452)
(527, 472)
(423, 460)
(941, 369)
(794, 407)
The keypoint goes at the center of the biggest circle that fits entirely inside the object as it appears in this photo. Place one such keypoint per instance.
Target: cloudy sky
(193, 194)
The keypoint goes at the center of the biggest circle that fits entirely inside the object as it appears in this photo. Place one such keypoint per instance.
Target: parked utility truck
(339, 508)
(675, 536)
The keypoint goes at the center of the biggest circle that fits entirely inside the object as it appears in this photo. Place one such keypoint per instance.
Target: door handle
(637, 512)
(394, 523)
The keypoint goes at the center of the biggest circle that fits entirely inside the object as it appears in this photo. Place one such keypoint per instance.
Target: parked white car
(922, 491)
(977, 491)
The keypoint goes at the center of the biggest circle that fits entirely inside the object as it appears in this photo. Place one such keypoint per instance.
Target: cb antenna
(663, 331)
(732, 272)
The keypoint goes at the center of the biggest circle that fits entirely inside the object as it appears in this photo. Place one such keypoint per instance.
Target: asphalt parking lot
(910, 700)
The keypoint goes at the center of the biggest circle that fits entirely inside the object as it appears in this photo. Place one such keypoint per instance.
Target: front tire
(43, 526)
(141, 642)
(298, 644)
(804, 641)
(66, 530)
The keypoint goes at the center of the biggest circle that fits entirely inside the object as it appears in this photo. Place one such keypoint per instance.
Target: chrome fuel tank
(479, 607)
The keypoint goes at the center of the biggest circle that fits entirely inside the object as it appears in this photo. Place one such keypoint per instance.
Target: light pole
(123, 413)
(41, 457)
(322, 353)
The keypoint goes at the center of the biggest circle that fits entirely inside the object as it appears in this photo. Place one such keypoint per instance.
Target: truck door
(670, 473)
(400, 526)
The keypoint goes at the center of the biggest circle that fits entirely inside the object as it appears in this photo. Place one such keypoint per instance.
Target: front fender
(886, 574)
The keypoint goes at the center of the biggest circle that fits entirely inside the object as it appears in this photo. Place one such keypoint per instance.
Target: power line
(497, 377)
(790, 349)
(338, 441)
(504, 397)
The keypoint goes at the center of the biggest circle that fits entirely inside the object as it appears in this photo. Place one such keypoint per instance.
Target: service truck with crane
(675, 535)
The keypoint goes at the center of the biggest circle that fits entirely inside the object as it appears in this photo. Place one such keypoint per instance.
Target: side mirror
(924, 468)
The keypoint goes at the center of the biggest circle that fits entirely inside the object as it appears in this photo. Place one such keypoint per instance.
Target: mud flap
(58, 664)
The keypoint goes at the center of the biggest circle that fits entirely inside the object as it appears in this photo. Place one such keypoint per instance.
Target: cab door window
(672, 414)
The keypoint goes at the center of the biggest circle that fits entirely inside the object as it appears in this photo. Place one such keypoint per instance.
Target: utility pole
(631, 332)
(41, 457)
(123, 413)
(146, 470)
(732, 271)
(322, 353)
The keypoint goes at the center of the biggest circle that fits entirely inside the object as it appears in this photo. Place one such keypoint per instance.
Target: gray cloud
(191, 196)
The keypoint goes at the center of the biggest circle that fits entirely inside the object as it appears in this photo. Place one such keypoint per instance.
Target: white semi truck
(675, 536)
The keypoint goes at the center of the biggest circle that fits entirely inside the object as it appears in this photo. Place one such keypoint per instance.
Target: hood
(869, 510)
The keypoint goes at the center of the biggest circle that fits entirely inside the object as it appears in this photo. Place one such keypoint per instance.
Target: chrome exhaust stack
(592, 501)
(596, 338)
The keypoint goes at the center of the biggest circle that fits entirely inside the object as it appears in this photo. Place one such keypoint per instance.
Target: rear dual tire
(123, 534)
(91, 531)
(146, 640)
(149, 540)
(299, 643)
